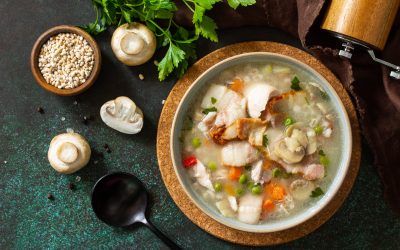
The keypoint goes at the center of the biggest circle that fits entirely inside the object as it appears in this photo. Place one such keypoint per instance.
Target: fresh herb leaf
(316, 192)
(213, 100)
(265, 141)
(279, 173)
(208, 110)
(324, 95)
(321, 152)
(295, 84)
(207, 28)
(158, 15)
(172, 59)
(235, 3)
(187, 123)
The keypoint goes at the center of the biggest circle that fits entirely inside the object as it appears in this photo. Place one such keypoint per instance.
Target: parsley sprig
(158, 15)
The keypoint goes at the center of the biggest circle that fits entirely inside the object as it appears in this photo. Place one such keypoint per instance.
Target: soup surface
(261, 142)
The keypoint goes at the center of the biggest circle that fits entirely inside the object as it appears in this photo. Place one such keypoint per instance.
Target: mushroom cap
(289, 150)
(301, 189)
(123, 115)
(133, 43)
(68, 153)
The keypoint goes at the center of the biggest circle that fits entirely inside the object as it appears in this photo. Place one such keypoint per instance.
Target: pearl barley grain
(66, 60)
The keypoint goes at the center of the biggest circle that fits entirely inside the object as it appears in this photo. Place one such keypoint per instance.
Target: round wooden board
(183, 201)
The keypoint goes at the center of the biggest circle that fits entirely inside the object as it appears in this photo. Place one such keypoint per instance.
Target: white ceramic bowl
(191, 95)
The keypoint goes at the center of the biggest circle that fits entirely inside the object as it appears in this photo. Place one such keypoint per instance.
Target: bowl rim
(34, 60)
(337, 180)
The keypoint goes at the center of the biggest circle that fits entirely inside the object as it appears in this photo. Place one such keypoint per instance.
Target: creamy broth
(261, 142)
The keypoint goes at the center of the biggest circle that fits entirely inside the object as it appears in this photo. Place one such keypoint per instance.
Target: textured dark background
(29, 220)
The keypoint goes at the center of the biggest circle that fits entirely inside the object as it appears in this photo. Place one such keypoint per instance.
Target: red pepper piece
(189, 161)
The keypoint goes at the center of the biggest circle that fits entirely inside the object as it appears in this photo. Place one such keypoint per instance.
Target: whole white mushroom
(123, 115)
(133, 43)
(68, 153)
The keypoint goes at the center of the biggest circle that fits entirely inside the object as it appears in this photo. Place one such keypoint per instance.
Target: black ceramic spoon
(120, 199)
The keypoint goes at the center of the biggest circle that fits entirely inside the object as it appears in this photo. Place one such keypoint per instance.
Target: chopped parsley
(295, 84)
(278, 173)
(213, 100)
(265, 141)
(317, 192)
(324, 95)
(208, 110)
(187, 123)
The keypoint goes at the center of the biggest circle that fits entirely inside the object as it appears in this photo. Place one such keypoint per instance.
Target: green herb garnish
(158, 16)
(278, 173)
(247, 167)
(265, 141)
(208, 110)
(213, 100)
(187, 123)
(324, 95)
(316, 192)
(295, 84)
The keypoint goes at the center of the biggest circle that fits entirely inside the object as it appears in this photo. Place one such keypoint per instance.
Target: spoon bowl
(120, 199)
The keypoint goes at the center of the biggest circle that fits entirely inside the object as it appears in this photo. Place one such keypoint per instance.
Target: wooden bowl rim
(43, 38)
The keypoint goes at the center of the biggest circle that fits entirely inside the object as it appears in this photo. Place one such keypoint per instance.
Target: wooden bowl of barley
(65, 60)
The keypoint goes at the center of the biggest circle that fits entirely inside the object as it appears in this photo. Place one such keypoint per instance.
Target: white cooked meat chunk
(236, 109)
(258, 95)
(199, 171)
(250, 208)
(256, 171)
(238, 153)
(215, 91)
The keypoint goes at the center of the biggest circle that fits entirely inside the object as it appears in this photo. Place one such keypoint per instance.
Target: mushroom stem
(67, 152)
(132, 44)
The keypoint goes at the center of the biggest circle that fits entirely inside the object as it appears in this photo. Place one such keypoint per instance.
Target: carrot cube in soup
(237, 85)
(268, 205)
(275, 191)
(234, 173)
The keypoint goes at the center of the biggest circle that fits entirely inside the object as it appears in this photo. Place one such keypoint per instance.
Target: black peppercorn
(50, 196)
(40, 110)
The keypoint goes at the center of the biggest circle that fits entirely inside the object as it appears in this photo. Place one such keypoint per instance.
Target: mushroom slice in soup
(251, 129)
(301, 189)
(238, 153)
(258, 95)
(250, 208)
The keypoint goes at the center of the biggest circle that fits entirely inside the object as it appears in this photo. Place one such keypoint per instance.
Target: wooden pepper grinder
(365, 23)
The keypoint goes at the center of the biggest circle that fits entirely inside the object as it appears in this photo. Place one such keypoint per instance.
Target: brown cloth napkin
(376, 95)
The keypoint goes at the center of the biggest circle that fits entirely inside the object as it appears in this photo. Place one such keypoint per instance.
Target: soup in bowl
(261, 142)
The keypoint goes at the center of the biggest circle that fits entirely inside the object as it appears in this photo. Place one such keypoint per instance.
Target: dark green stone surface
(28, 220)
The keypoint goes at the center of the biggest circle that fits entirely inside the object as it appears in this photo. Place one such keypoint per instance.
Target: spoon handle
(160, 235)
